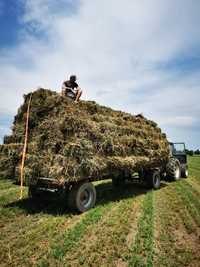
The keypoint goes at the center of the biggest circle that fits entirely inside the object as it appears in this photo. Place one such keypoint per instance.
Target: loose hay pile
(77, 141)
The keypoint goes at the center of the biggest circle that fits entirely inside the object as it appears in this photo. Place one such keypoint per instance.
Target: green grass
(129, 227)
(142, 250)
(72, 238)
(191, 202)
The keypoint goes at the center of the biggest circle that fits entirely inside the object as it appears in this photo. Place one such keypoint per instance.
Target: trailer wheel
(173, 169)
(153, 179)
(82, 197)
(184, 172)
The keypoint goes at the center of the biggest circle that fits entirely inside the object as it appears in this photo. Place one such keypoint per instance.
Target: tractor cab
(178, 151)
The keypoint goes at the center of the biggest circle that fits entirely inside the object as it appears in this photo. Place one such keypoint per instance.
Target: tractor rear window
(178, 148)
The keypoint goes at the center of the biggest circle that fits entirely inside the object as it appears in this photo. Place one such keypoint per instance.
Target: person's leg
(78, 95)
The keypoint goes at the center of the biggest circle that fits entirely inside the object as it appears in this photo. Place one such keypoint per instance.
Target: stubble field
(129, 227)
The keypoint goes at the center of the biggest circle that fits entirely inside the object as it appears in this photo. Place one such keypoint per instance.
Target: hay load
(72, 142)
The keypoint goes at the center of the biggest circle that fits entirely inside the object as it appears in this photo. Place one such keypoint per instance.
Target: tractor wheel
(82, 197)
(173, 170)
(153, 179)
(184, 172)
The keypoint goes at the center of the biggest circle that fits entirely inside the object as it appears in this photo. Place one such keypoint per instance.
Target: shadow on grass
(45, 203)
(56, 205)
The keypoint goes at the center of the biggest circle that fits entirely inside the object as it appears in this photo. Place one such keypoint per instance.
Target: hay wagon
(70, 146)
(81, 195)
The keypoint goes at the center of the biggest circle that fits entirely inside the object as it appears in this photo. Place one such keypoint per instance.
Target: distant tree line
(193, 152)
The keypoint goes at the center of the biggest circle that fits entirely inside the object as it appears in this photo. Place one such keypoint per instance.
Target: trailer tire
(82, 197)
(173, 169)
(153, 179)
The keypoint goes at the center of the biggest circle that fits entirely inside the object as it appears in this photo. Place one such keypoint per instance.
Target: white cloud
(180, 121)
(115, 48)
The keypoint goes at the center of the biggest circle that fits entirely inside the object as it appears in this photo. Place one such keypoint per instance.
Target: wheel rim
(85, 198)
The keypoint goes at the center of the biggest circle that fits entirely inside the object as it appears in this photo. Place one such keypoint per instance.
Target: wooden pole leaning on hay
(24, 148)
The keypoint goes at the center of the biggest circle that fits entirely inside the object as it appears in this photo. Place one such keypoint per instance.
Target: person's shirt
(69, 84)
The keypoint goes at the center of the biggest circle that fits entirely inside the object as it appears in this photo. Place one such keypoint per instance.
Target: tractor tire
(82, 197)
(153, 179)
(184, 172)
(173, 170)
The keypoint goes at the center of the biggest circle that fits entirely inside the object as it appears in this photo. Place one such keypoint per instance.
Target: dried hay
(77, 141)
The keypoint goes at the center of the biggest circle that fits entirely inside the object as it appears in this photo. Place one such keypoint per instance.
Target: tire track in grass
(171, 248)
(106, 243)
(142, 248)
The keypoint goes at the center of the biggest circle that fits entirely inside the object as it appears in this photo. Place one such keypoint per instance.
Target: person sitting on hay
(71, 89)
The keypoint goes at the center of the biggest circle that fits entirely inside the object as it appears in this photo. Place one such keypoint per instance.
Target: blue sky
(137, 56)
(9, 22)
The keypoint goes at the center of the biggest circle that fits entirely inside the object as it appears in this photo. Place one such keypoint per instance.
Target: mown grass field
(133, 227)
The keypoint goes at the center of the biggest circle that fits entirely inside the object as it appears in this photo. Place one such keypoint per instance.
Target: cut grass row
(102, 231)
(142, 248)
(178, 221)
(191, 199)
(106, 243)
(100, 238)
(172, 230)
(22, 232)
(29, 230)
(117, 216)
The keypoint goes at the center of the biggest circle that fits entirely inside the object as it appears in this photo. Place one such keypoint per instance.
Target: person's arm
(77, 88)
